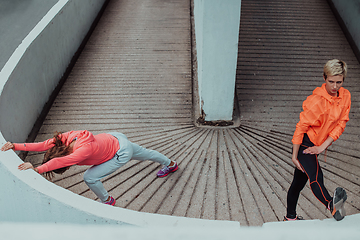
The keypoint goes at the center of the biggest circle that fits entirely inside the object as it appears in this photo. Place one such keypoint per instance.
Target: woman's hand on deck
(7, 146)
(25, 166)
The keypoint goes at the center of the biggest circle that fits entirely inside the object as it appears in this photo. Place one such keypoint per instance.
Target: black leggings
(312, 169)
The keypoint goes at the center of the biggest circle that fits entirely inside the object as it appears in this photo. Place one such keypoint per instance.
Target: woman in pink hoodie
(106, 152)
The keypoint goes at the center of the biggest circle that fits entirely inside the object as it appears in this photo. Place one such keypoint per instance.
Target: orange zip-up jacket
(323, 116)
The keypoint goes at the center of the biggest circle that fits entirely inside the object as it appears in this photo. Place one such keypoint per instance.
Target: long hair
(58, 150)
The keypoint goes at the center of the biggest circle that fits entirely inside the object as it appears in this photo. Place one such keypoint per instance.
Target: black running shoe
(337, 205)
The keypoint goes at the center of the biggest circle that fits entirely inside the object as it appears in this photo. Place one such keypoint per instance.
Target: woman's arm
(79, 155)
(34, 147)
(344, 118)
(309, 150)
(319, 149)
(308, 117)
(294, 156)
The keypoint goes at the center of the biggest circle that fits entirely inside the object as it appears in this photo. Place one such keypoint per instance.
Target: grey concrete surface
(17, 19)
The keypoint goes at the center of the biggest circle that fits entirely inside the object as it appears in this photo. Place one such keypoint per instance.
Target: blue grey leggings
(127, 151)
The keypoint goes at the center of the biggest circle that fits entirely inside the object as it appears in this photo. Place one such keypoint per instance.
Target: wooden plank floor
(134, 76)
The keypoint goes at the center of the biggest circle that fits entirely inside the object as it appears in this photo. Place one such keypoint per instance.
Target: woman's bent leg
(313, 170)
(141, 153)
(93, 175)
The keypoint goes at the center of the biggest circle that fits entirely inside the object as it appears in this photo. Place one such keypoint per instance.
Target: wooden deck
(134, 76)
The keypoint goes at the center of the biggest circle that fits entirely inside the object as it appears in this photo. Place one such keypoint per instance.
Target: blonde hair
(335, 67)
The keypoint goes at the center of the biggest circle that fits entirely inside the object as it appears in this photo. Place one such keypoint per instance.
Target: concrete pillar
(216, 35)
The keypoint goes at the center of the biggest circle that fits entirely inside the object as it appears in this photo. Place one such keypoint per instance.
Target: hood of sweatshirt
(321, 91)
(82, 137)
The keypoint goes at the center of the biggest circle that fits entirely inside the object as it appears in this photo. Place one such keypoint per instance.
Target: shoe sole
(169, 172)
(110, 203)
(298, 218)
(340, 197)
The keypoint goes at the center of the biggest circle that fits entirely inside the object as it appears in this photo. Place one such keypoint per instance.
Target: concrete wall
(36, 66)
(18, 18)
(349, 13)
(216, 35)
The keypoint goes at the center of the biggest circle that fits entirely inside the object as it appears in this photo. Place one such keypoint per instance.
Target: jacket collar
(321, 91)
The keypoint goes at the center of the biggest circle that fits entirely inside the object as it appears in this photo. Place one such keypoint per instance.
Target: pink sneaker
(166, 170)
(111, 202)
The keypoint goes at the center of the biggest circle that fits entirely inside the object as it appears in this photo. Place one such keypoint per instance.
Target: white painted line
(21, 49)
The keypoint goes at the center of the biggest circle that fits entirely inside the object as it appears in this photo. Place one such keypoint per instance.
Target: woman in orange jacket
(322, 121)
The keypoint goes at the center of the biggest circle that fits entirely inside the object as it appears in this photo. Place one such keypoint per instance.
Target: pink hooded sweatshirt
(88, 149)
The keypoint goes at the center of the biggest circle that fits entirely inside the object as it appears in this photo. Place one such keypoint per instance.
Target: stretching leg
(311, 166)
(296, 186)
(141, 153)
(312, 172)
(94, 174)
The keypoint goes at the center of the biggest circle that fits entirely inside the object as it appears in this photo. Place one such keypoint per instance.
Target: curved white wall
(35, 68)
(28, 197)
(26, 82)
